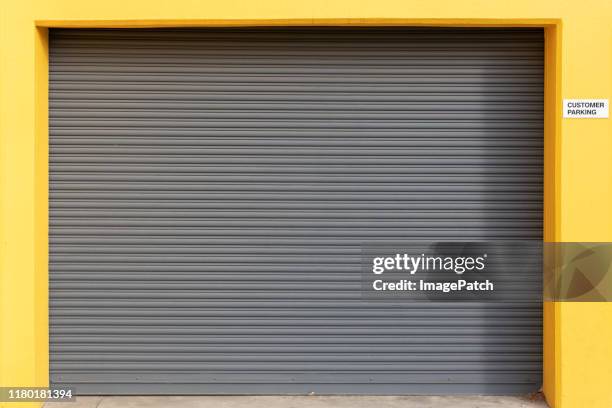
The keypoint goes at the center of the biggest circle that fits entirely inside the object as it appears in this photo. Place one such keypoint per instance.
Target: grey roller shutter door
(210, 189)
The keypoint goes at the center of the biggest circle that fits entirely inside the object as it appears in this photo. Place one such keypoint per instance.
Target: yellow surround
(578, 164)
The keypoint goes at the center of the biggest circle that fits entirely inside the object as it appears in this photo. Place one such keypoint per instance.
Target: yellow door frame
(24, 354)
(551, 30)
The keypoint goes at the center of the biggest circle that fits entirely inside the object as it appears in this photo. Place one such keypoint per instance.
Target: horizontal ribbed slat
(210, 191)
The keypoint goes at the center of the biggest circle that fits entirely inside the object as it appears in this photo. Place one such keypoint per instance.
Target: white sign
(585, 108)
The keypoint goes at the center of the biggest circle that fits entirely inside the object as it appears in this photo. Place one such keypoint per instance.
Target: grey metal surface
(210, 189)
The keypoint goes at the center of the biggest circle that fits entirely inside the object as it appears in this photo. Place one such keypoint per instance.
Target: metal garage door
(210, 190)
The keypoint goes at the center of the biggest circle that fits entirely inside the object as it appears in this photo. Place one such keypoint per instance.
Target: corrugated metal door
(210, 190)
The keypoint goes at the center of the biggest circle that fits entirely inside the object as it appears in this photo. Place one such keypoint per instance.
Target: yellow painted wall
(578, 339)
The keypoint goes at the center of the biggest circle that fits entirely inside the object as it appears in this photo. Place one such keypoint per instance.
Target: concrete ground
(302, 402)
